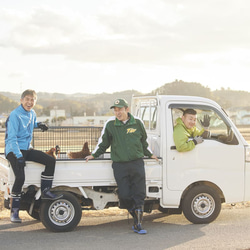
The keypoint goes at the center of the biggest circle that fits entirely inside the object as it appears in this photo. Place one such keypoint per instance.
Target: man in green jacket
(128, 140)
(186, 134)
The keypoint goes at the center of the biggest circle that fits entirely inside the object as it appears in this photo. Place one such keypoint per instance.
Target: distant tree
(58, 120)
(7, 105)
(228, 98)
(39, 109)
(80, 104)
(183, 88)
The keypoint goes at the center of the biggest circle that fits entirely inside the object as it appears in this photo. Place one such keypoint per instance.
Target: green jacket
(128, 141)
(182, 136)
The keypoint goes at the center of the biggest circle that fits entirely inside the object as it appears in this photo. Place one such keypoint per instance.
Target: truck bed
(78, 173)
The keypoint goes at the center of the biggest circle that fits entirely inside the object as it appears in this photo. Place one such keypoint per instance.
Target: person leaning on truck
(18, 135)
(127, 137)
(186, 134)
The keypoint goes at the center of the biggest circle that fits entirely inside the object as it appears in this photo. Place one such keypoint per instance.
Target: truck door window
(220, 131)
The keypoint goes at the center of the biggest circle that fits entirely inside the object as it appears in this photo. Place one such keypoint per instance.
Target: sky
(114, 45)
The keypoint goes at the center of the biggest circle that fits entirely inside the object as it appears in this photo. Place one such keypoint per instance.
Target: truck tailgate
(75, 173)
(4, 170)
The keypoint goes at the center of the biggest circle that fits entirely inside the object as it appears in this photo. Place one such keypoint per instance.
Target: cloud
(166, 32)
(18, 74)
(40, 28)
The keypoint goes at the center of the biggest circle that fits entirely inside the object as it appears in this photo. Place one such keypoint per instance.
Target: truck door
(219, 160)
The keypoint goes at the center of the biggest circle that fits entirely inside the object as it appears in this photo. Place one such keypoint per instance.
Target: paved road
(108, 231)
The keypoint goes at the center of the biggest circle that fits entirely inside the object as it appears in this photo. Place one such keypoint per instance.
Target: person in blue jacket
(18, 149)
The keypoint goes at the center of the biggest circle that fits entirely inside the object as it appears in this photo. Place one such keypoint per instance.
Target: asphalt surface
(111, 229)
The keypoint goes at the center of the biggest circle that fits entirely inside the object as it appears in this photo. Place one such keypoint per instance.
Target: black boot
(133, 214)
(46, 184)
(14, 208)
(138, 221)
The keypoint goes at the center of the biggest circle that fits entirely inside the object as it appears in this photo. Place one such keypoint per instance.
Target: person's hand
(42, 126)
(20, 162)
(154, 157)
(206, 121)
(89, 157)
(198, 140)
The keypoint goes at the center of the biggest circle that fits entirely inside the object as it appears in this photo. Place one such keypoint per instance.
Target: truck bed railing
(68, 138)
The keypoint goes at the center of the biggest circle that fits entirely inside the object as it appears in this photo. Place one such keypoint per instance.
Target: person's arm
(206, 123)
(154, 157)
(11, 134)
(102, 145)
(43, 126)
(181, 139)
(89, 157)
(146, 150)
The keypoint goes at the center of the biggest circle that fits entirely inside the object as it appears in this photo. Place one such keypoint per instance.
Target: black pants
(130, 178)
(30, 155)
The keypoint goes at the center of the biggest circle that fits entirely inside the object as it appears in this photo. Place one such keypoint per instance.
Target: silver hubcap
(61, 212)
(203, 205)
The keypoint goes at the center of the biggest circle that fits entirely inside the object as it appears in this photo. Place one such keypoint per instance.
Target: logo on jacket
(131, 130)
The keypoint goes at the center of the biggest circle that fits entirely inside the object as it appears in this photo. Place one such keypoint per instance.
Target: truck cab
(215, 171)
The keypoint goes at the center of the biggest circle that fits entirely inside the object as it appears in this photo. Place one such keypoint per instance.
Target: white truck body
(79, 176)
(195, 182)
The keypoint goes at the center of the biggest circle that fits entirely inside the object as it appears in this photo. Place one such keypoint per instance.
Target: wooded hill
(79, 104)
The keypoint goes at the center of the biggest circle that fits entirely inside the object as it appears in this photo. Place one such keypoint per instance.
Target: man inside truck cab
(186, 134)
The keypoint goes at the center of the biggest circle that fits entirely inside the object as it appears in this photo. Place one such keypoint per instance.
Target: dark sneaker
(138, 229)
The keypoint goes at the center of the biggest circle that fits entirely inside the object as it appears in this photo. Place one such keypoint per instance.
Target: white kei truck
(196, 182)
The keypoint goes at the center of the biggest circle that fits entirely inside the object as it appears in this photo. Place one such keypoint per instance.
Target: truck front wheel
(61, 215)
(201, 205)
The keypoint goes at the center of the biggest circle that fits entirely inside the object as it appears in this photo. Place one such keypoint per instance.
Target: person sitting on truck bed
(18, 136)
(128, 139)
(185, 129)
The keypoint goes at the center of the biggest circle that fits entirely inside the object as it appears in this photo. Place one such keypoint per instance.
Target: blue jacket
(19, 130)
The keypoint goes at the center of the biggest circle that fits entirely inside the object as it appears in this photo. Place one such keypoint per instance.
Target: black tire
(201, 205)
(61, 215)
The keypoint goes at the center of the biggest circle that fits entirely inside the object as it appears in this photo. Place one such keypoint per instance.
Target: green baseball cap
(120, 103)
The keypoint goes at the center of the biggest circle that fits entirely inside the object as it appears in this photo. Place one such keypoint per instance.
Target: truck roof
(167, 98)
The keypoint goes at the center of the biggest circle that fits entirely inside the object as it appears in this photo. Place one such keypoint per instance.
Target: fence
(68, 138)
(73, 138)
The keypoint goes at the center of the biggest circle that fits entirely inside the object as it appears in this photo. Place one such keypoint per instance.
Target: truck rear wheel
(61, 215)
(201, 205)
